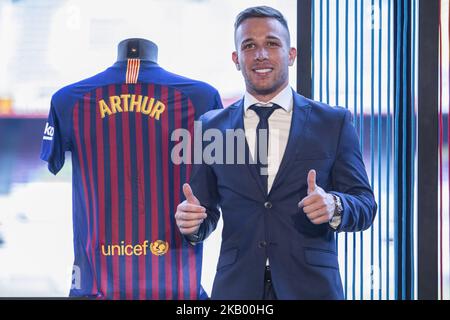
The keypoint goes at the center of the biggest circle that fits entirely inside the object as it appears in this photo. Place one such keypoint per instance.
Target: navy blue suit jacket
(302, 255)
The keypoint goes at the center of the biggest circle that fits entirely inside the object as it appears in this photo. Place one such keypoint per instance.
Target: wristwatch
(337, 215)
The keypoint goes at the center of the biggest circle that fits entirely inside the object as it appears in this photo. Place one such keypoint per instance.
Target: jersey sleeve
(206, 100)
(218, 102)
(55, 141)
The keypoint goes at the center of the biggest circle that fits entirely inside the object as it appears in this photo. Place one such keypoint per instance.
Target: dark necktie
(262, 140)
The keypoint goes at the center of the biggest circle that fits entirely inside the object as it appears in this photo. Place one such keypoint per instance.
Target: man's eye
(272, 44)
(249, 46)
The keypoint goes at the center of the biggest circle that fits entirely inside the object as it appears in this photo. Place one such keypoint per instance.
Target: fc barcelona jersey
(118, 126)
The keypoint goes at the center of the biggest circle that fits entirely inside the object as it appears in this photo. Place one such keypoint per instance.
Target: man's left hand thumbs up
(317, 205)
(311, 181)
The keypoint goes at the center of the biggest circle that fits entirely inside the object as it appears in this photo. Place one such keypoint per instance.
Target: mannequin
(136, 48)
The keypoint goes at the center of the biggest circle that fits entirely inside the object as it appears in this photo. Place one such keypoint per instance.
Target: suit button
(268, 205)
(262, 244)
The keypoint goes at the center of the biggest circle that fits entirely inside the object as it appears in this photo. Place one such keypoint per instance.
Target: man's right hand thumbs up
(190, 214)
(190, 195)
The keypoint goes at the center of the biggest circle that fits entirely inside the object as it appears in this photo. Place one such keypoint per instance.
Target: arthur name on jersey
(131, 103)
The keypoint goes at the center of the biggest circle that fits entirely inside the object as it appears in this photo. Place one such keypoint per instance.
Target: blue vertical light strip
(388, 150)
(361, 96)
(337, 52)
(327, 77)
(404, 141)
(372, 122)
(355, 93)
(413, 145)
(396, 149)
(337, 85)
(346, 105)
(313, 48)
(380, 121)
(383, 136)
(321, 50)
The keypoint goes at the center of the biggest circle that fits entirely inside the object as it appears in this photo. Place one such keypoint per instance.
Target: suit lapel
(237, 122)
(301, 110)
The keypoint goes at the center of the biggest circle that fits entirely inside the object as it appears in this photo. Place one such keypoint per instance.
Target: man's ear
(292, 56)
(235, 58)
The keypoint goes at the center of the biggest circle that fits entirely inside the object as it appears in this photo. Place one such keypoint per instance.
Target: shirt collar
(284, 99)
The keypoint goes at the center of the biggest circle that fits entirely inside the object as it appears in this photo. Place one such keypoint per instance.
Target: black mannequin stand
(136, 48)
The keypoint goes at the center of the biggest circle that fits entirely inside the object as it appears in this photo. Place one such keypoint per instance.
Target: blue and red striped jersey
(118, 125)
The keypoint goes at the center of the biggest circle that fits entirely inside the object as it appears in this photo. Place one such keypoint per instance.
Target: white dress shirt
(279, 126)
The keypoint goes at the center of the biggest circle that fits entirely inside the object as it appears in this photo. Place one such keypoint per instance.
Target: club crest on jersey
(148, 106)
(159, 247)
(48, 132)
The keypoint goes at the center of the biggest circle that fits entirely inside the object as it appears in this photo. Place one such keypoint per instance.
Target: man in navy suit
(303, 178)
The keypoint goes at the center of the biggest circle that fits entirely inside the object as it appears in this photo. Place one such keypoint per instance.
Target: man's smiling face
(264, 56)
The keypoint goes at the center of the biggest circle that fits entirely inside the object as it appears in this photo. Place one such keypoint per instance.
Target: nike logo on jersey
(48, 132)
(132, 103)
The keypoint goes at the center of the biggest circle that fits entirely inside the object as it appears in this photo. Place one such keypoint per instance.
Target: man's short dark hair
(261, 12)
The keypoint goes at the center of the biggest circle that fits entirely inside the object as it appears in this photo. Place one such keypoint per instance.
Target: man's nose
(261, 54)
